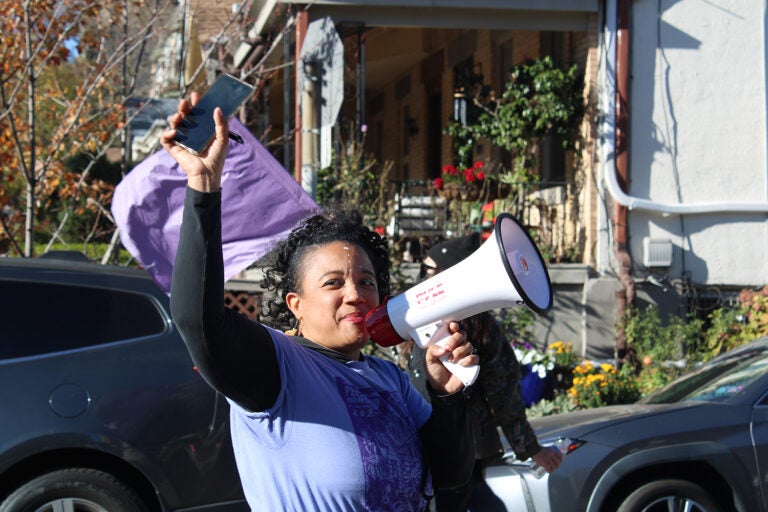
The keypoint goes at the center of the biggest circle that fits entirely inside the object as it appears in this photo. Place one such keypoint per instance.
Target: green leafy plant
(736, 325)
(517, 323)
(538, 100)
(652, 377)
(663, 349)
(561, 403)
(645, 332)
(566, 360)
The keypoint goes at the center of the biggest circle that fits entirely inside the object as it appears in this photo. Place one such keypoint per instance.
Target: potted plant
(464, 184)
(536, 372)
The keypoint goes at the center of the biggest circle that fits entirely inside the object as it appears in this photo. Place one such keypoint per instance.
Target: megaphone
(506, 270)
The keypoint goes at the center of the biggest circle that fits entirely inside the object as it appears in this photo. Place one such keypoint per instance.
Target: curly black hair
(333, 225)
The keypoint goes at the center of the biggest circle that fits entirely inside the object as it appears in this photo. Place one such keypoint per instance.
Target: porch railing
(549, 210)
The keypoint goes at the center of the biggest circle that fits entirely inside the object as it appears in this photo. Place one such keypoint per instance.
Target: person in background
(495, 400)
(316, 425)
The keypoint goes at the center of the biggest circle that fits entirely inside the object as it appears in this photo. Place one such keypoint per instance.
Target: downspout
(360, 83)
(302, 22)
(287, 102)
(626, 295)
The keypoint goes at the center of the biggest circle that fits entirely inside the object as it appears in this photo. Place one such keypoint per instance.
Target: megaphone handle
(437, 334)
(467, 374)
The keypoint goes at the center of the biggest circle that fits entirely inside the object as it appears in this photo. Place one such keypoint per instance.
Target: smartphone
(197, 130)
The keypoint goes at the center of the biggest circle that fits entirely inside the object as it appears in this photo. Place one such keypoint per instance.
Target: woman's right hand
(440, 378)
(204, 170)
(548, 458)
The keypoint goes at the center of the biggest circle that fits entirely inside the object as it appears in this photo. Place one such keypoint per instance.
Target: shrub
(653, 377)
(563, 354)
(565, 361)
(648, 335)
(602, 384)
(734, 326)
(656, 344)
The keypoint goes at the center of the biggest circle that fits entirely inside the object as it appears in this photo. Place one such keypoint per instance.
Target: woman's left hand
(442, 381)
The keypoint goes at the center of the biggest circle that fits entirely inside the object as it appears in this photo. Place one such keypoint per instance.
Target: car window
(713, 382)
(37, 318)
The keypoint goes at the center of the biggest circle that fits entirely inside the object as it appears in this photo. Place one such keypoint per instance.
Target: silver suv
(101, 409)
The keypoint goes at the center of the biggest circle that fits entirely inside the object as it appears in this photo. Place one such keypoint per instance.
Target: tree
(73, 75)
(63, 82)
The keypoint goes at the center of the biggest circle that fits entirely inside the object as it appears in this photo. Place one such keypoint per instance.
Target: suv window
(716, 381)
(36, 318)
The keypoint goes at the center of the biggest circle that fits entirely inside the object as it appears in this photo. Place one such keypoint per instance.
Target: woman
(494, 402)
(315, 424)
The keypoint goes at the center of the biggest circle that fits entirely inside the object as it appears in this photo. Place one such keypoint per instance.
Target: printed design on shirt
(389, 446)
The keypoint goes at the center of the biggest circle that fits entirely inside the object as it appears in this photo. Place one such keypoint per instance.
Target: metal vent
(657, 252)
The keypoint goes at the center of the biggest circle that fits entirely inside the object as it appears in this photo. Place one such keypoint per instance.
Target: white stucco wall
(698, 134)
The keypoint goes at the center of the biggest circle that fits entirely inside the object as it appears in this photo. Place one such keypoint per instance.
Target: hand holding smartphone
(197, 130)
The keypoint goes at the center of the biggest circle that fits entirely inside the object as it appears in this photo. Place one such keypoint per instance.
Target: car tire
(661, 494)
(75, 489)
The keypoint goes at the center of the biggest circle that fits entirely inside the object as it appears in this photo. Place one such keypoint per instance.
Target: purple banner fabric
(261, 203)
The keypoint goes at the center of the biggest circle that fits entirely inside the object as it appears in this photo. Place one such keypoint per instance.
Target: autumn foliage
(62, 90)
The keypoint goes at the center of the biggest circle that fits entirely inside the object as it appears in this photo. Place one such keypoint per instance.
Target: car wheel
(73, 490)
(665, 495)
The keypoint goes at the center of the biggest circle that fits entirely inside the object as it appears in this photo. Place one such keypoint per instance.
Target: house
(665, 197)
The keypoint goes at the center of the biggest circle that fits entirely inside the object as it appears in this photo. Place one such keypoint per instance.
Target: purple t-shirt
(339, 437)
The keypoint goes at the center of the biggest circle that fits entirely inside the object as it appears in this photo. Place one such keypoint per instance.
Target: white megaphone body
(506, 270)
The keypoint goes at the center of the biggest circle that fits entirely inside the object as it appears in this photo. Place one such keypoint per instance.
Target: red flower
(450, 170)
(450, 174)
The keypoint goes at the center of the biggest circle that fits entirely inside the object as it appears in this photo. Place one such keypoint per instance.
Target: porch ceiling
(500, 15)
(390, 51)
(556, 15)
(460, 18)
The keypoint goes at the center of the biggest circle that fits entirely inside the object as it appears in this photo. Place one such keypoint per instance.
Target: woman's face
(337, 287)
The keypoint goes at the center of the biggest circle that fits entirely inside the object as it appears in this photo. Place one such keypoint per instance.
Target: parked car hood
(578, 424)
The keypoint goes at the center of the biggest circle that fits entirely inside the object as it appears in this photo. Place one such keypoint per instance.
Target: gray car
(698, 444)
(101, 409)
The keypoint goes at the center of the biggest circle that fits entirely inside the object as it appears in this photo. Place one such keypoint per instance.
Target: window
(713, 382)
(37, 318)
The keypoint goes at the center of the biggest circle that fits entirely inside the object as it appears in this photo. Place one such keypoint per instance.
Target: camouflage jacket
(496, 398)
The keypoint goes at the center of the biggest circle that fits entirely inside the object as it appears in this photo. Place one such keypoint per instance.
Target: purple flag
(261, 203)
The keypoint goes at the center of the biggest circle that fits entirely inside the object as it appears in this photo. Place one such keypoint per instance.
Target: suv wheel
(664, 495)
(73, 490)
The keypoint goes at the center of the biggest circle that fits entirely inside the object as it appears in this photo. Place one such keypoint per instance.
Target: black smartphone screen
(197, 130)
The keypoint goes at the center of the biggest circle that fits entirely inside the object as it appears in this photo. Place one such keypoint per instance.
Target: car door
(97, 364)
(760, 439)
